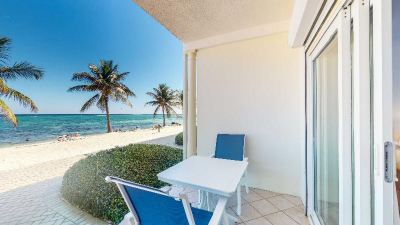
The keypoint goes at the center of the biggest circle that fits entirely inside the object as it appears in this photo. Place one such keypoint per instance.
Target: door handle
(388, 161)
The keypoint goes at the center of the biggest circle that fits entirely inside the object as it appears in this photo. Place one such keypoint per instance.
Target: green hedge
(84, 185)
(179, 139)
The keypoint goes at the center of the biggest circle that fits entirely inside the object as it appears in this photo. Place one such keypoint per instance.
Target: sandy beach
(31, 175)
(25, 155)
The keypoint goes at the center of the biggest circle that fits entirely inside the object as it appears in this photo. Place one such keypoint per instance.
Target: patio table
(220, 177)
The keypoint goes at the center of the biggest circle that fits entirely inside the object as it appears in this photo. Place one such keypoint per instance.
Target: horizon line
(90, 114)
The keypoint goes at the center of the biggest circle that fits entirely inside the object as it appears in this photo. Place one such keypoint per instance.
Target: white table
(211, 175)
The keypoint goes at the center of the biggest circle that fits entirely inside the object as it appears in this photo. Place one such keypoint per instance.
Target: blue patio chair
(231, 147)
(151, 206)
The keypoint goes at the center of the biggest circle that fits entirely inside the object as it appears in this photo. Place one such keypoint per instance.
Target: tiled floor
(260, 207)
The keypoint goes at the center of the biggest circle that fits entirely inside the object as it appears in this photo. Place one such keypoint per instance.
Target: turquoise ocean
(41, 127)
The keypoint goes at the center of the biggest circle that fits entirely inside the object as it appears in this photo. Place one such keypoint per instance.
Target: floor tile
(280, 218)
(293, 199)
(249, 213)
(258, 221)
(265, 193)
(251, 196)
(297, 214)
(232, 212)
(264, 207)
(280, 202)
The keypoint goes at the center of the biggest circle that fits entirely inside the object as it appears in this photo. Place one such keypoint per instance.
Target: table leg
(208, 201)
(239, 201)
(200, 198)
(229, 218)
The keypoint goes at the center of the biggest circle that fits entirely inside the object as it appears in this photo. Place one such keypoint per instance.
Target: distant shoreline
(89, 114)
(52, 140)
(28, 154)
(37, 128)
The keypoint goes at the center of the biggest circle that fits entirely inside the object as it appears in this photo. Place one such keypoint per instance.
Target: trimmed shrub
(179, 139)
(84, 185)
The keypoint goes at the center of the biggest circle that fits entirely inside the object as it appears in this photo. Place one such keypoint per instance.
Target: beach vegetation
(107, 82)
(164, 99)
(179, 98)
(84, 185)
(179, 139)
(15, 71)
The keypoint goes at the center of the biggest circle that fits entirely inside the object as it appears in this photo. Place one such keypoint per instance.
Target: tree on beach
(164, 99)
(106, 81)
(179, 98)
(17, 70)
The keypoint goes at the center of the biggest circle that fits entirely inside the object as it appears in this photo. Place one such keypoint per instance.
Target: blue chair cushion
(230, 146)
(201, 217)
(155, 208)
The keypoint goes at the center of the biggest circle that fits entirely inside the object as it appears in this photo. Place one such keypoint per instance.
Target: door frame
(360, 13)
(340, 26)
(382, 110)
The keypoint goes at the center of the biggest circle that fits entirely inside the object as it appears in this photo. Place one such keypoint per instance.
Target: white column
(191, 126)
(185, 105)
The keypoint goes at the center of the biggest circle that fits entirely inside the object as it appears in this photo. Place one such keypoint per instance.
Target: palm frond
(85, 77)
(8, 113)
(152, 103)
(151, 94)
(170, 111)
(23, 70)
(3, 87)
(21, 99)
(123, 99)
(94, 69)
(156, 111)
(122, 76)
(90, 102)
(101, 103)
(84, 87)
(4, 48)
(127, 91)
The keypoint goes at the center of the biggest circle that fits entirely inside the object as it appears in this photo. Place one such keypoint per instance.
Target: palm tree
(164, 99)
(179, 98)
(18, 70)
(106, 81)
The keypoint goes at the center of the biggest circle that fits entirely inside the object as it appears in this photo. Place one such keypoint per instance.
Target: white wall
(256, 87)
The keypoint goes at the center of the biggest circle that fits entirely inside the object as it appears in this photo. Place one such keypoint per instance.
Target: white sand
(24, 155)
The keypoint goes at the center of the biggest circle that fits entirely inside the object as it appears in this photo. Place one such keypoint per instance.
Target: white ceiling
(191, 20)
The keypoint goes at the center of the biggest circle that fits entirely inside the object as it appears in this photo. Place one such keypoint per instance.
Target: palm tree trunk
(163, 114)
(109, 130)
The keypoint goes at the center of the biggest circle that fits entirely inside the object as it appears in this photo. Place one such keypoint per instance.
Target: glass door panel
(326, 120)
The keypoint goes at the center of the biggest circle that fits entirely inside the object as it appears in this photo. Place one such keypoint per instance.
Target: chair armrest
(218, 212)
(245, 159)
(166, 189)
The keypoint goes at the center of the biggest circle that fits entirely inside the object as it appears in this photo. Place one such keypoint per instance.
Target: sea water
(40, 127)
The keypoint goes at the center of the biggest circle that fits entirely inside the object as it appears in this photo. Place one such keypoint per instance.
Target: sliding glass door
(326, 153)
(329, 66)
(350, 148)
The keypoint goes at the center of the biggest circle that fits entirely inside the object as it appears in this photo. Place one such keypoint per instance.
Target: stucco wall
(256, 87)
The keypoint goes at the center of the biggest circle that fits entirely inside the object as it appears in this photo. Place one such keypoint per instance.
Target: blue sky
(64, 36)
